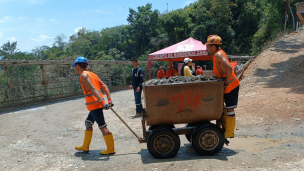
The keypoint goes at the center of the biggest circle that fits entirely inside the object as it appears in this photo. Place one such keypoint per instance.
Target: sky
(34, 23)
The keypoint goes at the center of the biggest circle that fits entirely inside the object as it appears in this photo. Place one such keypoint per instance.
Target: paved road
(43, 138)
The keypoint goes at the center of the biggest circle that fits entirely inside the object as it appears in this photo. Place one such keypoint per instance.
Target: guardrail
(30, 82)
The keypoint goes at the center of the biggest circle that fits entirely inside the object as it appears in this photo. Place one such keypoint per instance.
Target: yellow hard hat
(214, 40)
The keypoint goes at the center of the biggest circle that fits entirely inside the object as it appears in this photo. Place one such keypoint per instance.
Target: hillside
(272, 88)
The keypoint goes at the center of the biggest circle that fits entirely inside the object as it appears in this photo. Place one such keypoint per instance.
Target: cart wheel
(208, 140)
(163, 143)
(189, 136)
(152, 127)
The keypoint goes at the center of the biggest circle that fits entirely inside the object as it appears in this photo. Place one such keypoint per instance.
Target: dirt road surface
(269, 133)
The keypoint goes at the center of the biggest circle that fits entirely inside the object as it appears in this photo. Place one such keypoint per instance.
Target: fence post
(124, 74)
(109, 75)
(72, 80)
(44, 82)
(8, 80)
(91, 66)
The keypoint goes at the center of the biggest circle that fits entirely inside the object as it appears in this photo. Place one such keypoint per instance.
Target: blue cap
(80, 59)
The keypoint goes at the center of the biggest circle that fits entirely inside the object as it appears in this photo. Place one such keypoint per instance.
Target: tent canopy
(190, 48)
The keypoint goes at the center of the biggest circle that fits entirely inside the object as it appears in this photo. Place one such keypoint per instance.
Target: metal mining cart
(194, 104)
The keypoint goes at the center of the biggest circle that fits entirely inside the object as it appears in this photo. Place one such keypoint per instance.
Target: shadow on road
(186, 153)
(36, 105)
(94, 155)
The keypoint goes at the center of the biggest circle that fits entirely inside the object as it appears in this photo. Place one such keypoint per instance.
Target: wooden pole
(8, 80)
(72, 80)
(44, 82)
(109, 75)
(124, 74)
(286, 17)
(293, 21)
(91, 66)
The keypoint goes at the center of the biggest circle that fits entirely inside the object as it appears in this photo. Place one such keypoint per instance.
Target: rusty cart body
(194, 104)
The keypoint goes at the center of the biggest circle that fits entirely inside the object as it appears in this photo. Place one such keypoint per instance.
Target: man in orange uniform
(161, 73)
(173, 71)
(223, 69)
(91, 86)
(169, 72)
(199, 70)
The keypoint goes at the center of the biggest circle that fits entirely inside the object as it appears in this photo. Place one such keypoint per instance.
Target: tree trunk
(293, 22)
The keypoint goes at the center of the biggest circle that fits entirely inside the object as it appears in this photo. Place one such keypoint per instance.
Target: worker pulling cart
(195, 103)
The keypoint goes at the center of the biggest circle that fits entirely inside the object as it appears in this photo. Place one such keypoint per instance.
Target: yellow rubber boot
(229, 126)
(86, 141)
(224, 119)
(110, 145)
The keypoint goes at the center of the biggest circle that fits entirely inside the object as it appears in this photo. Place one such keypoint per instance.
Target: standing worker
(223, 70)
(186, 71)
(161, 73)
(173, 71)
(169, 72)
(136, 85)
(91, 86)
(199, 71)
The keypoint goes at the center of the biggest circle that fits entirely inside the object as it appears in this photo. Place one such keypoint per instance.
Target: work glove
(110, 103)
(106, 106)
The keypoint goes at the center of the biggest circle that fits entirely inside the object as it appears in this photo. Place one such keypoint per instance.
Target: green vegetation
(244, 25)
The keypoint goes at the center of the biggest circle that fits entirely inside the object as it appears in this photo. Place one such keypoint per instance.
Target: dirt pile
(179, 80)
(272, 87)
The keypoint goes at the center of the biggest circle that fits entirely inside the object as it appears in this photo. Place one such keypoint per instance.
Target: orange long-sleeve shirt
(160, 74)
(199, 72)
(168, 73)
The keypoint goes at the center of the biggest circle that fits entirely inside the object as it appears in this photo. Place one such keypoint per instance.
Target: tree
(40, 52)
(8, 50)
(143, 25)
(199, 33)
(80, 46)
(177, 25)
(116, 54)
(59, 41)
(247, 24)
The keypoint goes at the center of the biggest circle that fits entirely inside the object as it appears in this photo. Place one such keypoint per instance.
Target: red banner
(178, 54)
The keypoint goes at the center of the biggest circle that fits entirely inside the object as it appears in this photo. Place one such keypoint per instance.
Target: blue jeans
(138, 103)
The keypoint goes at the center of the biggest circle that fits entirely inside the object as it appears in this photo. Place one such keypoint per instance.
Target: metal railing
(29, 82)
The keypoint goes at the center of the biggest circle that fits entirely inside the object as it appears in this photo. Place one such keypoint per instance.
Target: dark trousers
(97, 115)
(138, 103)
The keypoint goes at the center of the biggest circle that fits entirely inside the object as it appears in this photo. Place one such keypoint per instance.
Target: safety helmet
(214, 40)
(186, 60)
(134, 59)
(80, 59)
